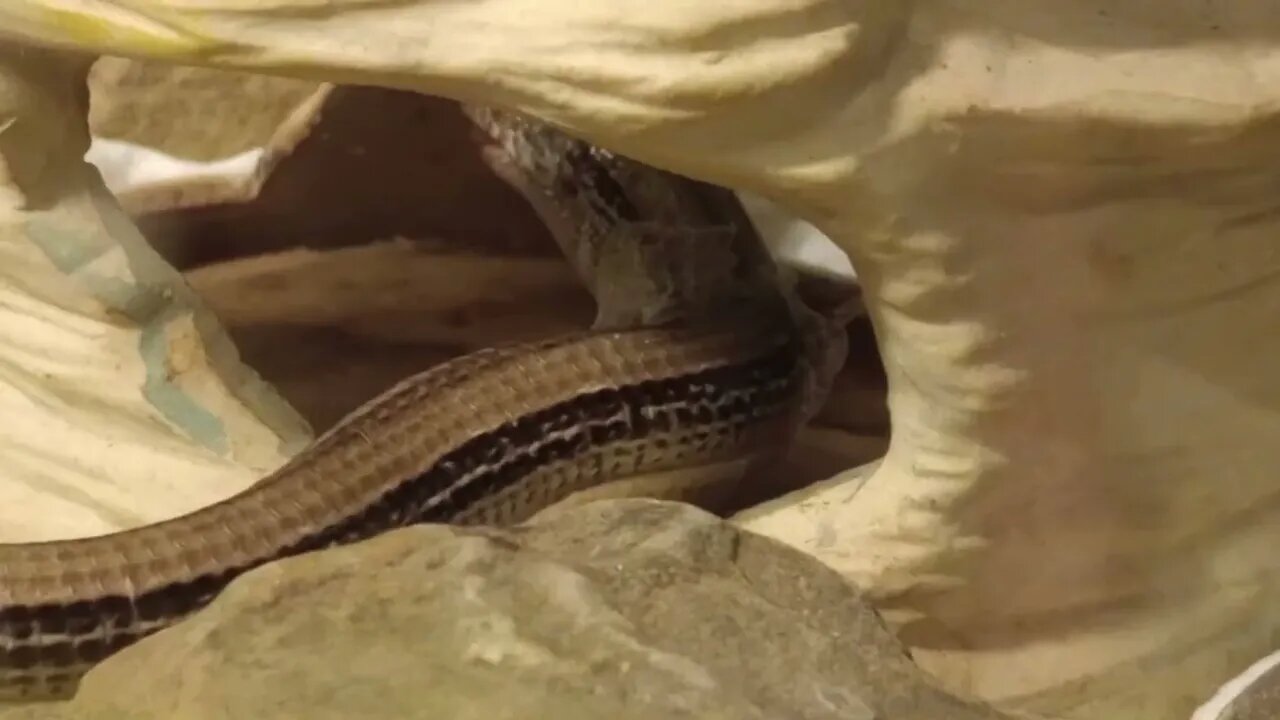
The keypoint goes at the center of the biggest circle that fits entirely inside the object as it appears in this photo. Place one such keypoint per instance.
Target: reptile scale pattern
(490, 437)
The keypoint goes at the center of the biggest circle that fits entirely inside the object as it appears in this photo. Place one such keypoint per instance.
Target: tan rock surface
(193, 113)
(633, 609)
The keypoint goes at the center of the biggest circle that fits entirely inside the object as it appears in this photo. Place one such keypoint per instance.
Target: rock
(633, 609)
(168, 107)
